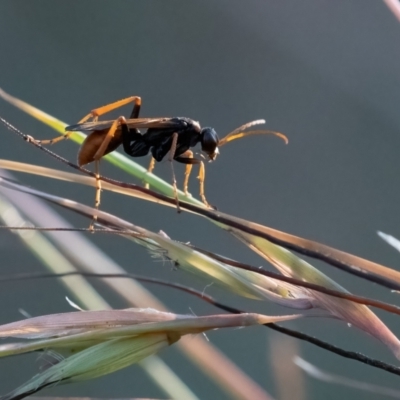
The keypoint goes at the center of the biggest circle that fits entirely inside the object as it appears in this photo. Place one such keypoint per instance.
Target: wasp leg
(189, 160)
(202, 178)
(171, 159)
(187, 155)
(98, 193)
(110, 134)
(100, 152)
(95, 114)
(150, 170)
(97, 157)
(137, 102)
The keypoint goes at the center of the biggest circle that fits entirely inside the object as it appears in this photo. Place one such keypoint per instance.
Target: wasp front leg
(188, 159)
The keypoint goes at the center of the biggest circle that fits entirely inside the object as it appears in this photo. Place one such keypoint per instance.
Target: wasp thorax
(209, 142)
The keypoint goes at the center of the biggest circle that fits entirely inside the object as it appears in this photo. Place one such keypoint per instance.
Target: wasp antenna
(247, 126)
(266, 132)
(239, 133)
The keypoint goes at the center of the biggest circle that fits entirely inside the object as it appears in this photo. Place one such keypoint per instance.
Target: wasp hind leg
(119, 122)
(97, 112)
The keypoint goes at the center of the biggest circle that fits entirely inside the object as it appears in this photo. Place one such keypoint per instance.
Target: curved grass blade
(355, 314)
(106, 341)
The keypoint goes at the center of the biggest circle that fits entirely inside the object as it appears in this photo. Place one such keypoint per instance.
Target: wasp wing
(139, 123)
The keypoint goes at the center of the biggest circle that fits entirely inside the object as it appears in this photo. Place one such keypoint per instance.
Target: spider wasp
(172, 136)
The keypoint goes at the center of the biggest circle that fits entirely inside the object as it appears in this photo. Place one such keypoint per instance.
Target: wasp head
(209, 142)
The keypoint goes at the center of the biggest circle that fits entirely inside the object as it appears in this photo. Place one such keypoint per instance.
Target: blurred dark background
(326, 73)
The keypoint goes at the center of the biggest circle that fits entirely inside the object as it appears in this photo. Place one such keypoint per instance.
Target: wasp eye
(209, 142)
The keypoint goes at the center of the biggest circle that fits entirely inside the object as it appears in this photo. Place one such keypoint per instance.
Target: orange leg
(188, 170)
(150, 170)
(188, 159)
(95, 114)
(98, 193)
(110, 134)
(202, 177)
(97, 157)
(171, 159)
